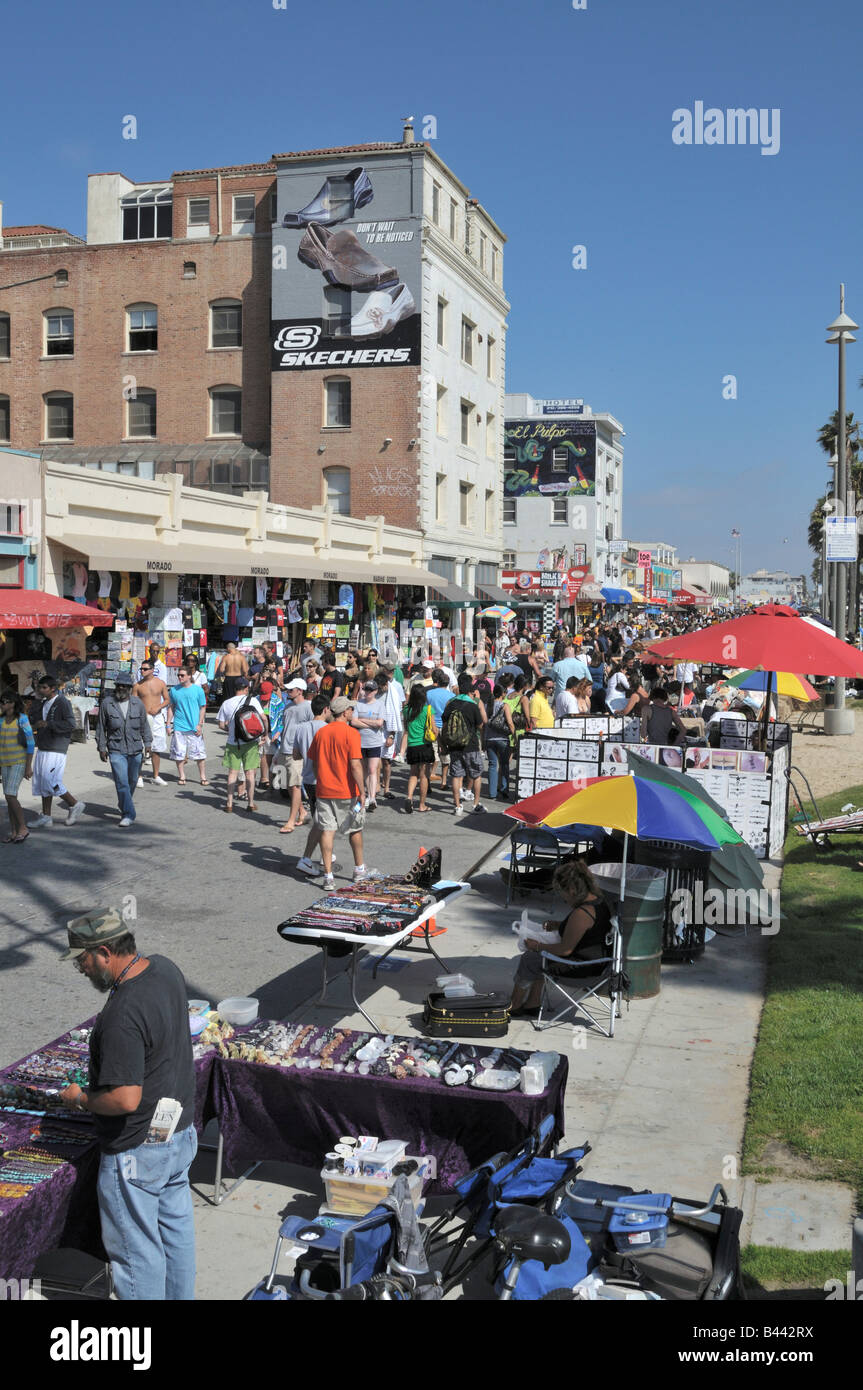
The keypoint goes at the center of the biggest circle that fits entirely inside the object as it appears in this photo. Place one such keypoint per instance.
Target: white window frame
(509, 558)
(510, 511)
(453, 219)
(61, 314)
(559, 464)
(467, 340)
(52, 397)
(466, 418)
(440, 412)
(242, 226)
(440, 498)
(215, 391)
(441, 322)
(489, 511)
(436, 202)
(327, 475)
(556, 504)
(490, 435)
(144, 308)
(490, 357)
(340, 381)
(465, 505)
(199, 228)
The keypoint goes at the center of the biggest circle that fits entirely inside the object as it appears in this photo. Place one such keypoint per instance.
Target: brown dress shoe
(344, 260)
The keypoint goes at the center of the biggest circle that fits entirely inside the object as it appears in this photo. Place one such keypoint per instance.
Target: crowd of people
(456, 732)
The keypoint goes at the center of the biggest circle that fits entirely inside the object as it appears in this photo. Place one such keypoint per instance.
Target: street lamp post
(839, 720)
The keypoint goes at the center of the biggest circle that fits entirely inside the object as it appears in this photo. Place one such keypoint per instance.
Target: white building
(772, 586)
(713, 578)
(563, 486)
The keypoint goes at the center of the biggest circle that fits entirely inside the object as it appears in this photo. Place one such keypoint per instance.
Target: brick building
(153, 347)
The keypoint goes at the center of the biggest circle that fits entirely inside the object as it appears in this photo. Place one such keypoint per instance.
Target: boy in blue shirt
(185, 724)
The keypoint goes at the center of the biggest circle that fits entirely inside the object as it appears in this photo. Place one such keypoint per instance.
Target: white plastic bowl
(238, 1010)
(199, 1006)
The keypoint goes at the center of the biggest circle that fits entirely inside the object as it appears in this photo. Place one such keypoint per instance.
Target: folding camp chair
(581, 980)
(339, 1251)
(534, 870)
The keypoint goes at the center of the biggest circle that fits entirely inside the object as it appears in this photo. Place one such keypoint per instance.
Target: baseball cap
(340, 704)
(296, 685)
(429, 665)
(94, 928)
(240, 681)
(370, 685)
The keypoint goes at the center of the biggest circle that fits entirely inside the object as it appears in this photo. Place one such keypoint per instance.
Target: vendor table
(295, 1116)
(321, 936)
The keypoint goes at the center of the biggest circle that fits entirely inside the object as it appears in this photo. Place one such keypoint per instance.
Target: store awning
(453, 595)
(138, 556)
(616, 595)
(636, 595)
(693, 596)
(493, 593)
(590, 593)
(33, 609)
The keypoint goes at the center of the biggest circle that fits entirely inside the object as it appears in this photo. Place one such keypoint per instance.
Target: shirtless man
(232, 665)
(153, 694)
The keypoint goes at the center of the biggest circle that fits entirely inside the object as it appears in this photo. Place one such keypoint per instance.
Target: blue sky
(702, 261)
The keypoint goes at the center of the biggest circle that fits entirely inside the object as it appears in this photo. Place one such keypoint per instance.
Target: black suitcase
(478, 1016)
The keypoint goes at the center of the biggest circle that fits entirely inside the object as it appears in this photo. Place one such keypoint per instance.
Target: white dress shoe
(382, 311)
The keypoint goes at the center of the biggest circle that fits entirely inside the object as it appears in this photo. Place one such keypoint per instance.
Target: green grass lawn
(806, 1097)
(768, 1267)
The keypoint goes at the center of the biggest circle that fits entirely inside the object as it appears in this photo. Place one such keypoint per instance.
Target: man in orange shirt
(341, 793)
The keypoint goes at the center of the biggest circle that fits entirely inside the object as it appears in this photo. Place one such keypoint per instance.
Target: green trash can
(641, 920)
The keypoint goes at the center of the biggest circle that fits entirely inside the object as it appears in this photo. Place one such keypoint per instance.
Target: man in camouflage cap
(141, 1067)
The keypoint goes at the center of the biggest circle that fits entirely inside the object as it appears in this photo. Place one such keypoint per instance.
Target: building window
(148, 214)
(58, 415)
(226, 323)
(453, 219)
(467, 332)
(337, 312)
(483, 241)
(143, 327)
(5, 434)
(490, 437)
(440, 419)
(142, 415)
(509, 511)
(190, 270)
(337, 404)
(5, 335)
(226, 410)
(559, 461)
(440, 497)
(509, 559)
(243, 222)
(441, 323)
(508, 456)
(465, 505)
(489, 511)
(337, 482)
(495, 264)
(466, 417)
(274, 207)
(198, 217)
(436, 204)
(490, 358)
(559, 511)
(59, 333)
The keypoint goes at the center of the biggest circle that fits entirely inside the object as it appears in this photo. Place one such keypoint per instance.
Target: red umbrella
(23, 608)
(773, 638)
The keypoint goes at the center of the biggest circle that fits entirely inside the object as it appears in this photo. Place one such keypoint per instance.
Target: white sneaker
(76, 812)
(458, 810)
(140, 781)
(40, 822)
(467, 796)
(308, 866)
(125, 821)
(382, 311)
(159, 782)
(329, 881)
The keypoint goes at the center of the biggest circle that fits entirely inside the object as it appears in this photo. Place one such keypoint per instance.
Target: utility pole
(839, 720)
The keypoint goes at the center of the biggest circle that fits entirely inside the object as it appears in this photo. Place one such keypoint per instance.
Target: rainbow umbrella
(781, 683)
(647, 810)
(503, 615)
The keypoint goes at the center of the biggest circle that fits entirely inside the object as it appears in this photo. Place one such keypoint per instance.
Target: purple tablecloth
(62, 1211)
(296, 1116)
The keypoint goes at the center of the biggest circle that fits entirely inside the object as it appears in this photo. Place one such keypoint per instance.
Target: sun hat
(94, 928)
(340, 704)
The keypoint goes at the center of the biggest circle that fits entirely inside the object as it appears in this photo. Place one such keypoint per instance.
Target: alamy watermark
(732, 126)
(720, 907)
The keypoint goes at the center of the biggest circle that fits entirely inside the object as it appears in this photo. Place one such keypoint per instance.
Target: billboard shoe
(343, 259)
(382, 311)
(336, 201)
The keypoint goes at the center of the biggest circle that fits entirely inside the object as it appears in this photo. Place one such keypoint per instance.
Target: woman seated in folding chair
(582, 935)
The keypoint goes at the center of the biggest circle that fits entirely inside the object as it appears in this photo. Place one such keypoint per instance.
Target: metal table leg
(219, 1196)
(404, 945)
(357, 1004)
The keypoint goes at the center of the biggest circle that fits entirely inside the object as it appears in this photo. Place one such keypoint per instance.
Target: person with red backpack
(246, 723)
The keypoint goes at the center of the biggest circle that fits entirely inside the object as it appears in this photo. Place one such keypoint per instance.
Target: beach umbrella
(633, 804)
(502, 615)
(770, 639)
(782, 683)
(32, 609)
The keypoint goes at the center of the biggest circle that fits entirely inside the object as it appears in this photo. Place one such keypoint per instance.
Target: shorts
(420, 753)
(295, 771)
(12, 773)
(187, 745)
(339, 815)
(159, 732)
(465, 764)
(390, 749)
(48, 769)
(241, 757)
(373, 752)
(229, 686)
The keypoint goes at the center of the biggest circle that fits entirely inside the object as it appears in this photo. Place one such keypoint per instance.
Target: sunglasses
(79, 961)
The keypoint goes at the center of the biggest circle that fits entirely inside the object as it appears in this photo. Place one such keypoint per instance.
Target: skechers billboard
(346, 264)
(544, 458)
